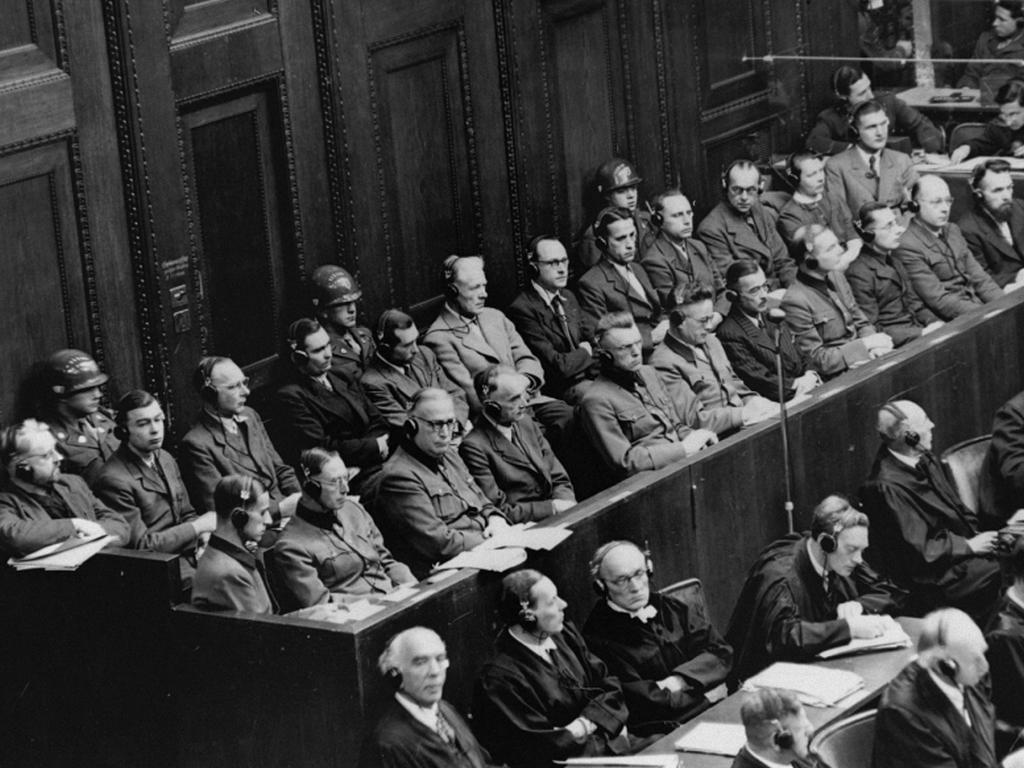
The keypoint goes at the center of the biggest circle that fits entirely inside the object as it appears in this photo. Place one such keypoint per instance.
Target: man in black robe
(419, 729)
(1006, 647)
(669, 658)
(810, 592)
(929, 541)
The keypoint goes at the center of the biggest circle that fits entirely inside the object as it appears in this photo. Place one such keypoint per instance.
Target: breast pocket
(831, 327)
(635, 422)
(447, 506)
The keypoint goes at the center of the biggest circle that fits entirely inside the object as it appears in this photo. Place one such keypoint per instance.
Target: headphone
(531, 252)
(450, 289)
(310, 486)
(201, 379)
(601, 239)
(411, 427)
(867, 235)
(946, 667)
(9, 450)
(909, 436)
(599, 557)
(782, 738)
(526, 618)
(724, 179)
(829, 541)
(810, 260)
(239, 517)
(913, 206)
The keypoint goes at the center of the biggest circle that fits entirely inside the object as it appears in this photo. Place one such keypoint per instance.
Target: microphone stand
(783, 421)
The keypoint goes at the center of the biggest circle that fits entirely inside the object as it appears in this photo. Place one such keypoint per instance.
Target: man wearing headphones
(937, 711)
(809, 205)
(428, 505)
(1006, 646)
(508, 455)
(84, 429)
(331, 550)
(994, 227)
(230, 575)
(420, 729)
(317, 408)
(1005, 40)
(335, 293)
(811, 591)
(617, 182)
(868, 171)
(739, 227)
(937, 259)
(668, 657)
(617, 283)
(552, 323)
(1004, 134)
(778, 731)
(832, 132)
(822, 313)
(228, 438)
(401, 367)
(40, 506)
(928, 541)
(676, 259)
(143, 484)
(879, 283)
(748, 336)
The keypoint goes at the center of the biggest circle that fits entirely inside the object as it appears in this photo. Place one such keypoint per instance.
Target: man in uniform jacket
(228, 438)
(748, 337)
(739, 227)
(994, 227)
(666, 654)
(809, 592)
(616, 181)
(335, 293)
(1004, 40)
(937, 259)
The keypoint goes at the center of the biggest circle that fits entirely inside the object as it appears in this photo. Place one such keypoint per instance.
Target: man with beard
(994, 229)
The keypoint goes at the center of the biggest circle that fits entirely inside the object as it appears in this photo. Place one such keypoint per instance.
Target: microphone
(775, 315)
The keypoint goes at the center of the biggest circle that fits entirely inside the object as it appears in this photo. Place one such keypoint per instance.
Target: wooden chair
(847, 743)
(964, 133)
(964, 461)
(691, 592)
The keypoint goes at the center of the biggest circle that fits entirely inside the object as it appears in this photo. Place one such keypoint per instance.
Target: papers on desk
(609, 761)
(339, 613)
(894, 637)
(64, 556)
(713, 739)
(498, 560)
(1016, 164)
(519, 535)
(814, 686)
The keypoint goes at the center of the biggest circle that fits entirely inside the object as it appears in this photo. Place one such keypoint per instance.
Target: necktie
(873, 172)
(86, 426)
(563, 319)
(444, 729)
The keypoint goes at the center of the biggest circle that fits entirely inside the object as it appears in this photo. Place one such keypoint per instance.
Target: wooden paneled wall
(170, 172)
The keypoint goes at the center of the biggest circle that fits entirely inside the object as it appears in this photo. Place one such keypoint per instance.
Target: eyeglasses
(888, 227)
(743, 190)
(234, 387)
(627, 347)
(336, 482)
(639, 576)
(554, 263)
(440, 425)
(757, 290)
(939, 201)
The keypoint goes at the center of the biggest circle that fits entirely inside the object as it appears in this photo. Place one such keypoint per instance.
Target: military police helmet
(71, 371)
(616, 174)
(333, 285)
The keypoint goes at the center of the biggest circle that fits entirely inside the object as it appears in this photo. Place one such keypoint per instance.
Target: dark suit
(1000, 259)
(228, 578)
(401, 741)
(588, 253)
(391, 391)
(918, 726)
(882, 290)
(669, 270)
(567, 367)
(751, 350)
(832, 132)
(991, 77)
(847, 182)
(158, 512)
(796, 215)
(730, 238)
(1002, 481)
(208, 453)
(602, 290)
(84, 453)
(1006, 661)
(997, 139)
(347, 362)
(520, 478)
(340, 418)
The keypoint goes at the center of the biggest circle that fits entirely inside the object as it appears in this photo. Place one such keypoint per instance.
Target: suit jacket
(729, 238)
(669, 270)
(882, 289)
(27, 523)
(784, 613)
(1002, 485)
(832, 132)
(826, 322)
(158, 513)
(796, 215)
(391, 391)
(943, 272)
(565, 363)
(84, 454)
(1006, 661)
(520, 482)
(228, 578)
(522, 703)
(751, 350)
(847, 183)
(676, 641)
(917, 725)
(714, 382)
(206, 456)
(463, 354)
(399, 740)
(429, 510)
(602, 290)
(991, 77)
(347, 362)
(1000, 259)
(339, 419)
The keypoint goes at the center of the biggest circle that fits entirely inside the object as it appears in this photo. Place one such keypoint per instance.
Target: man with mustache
(994, 228)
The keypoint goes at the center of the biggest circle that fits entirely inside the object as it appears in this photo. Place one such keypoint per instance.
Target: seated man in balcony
(1004, 134)
(994, 227)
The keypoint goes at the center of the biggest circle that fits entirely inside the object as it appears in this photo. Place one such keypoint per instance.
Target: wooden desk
(877, 669)
(920, 98)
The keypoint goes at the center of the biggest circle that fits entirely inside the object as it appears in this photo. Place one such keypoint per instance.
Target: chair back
(847, 743)
(964, 133)
(964, 461)
(691, 592)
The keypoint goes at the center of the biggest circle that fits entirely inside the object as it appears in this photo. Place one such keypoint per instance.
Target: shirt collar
(868, 155)
(389, 364)
(622, 269)
(819, 568)
(545, 295)
(802, 199)
(504, 430)
(644, 614)
(425, 715)
(542, 648)
(952, 692)
(149, 459)
(766, 761)
(910, 462)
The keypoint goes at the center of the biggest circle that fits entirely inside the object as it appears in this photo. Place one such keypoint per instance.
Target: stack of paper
(546, 538)
(814, 685)
(497, 560)
(894, 637)
(64, 556)
(611, 761)
(713, 739)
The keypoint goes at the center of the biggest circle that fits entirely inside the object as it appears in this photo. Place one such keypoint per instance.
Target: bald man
(419, 729)
(937, 259)
(766, 714)
(669, 658)
(926, 539)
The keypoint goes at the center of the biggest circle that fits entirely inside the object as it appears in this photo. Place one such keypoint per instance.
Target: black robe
(522, 703)
(784, 613)
(402, 741)
(1006, 661)
(919, 533)
(676, 641)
